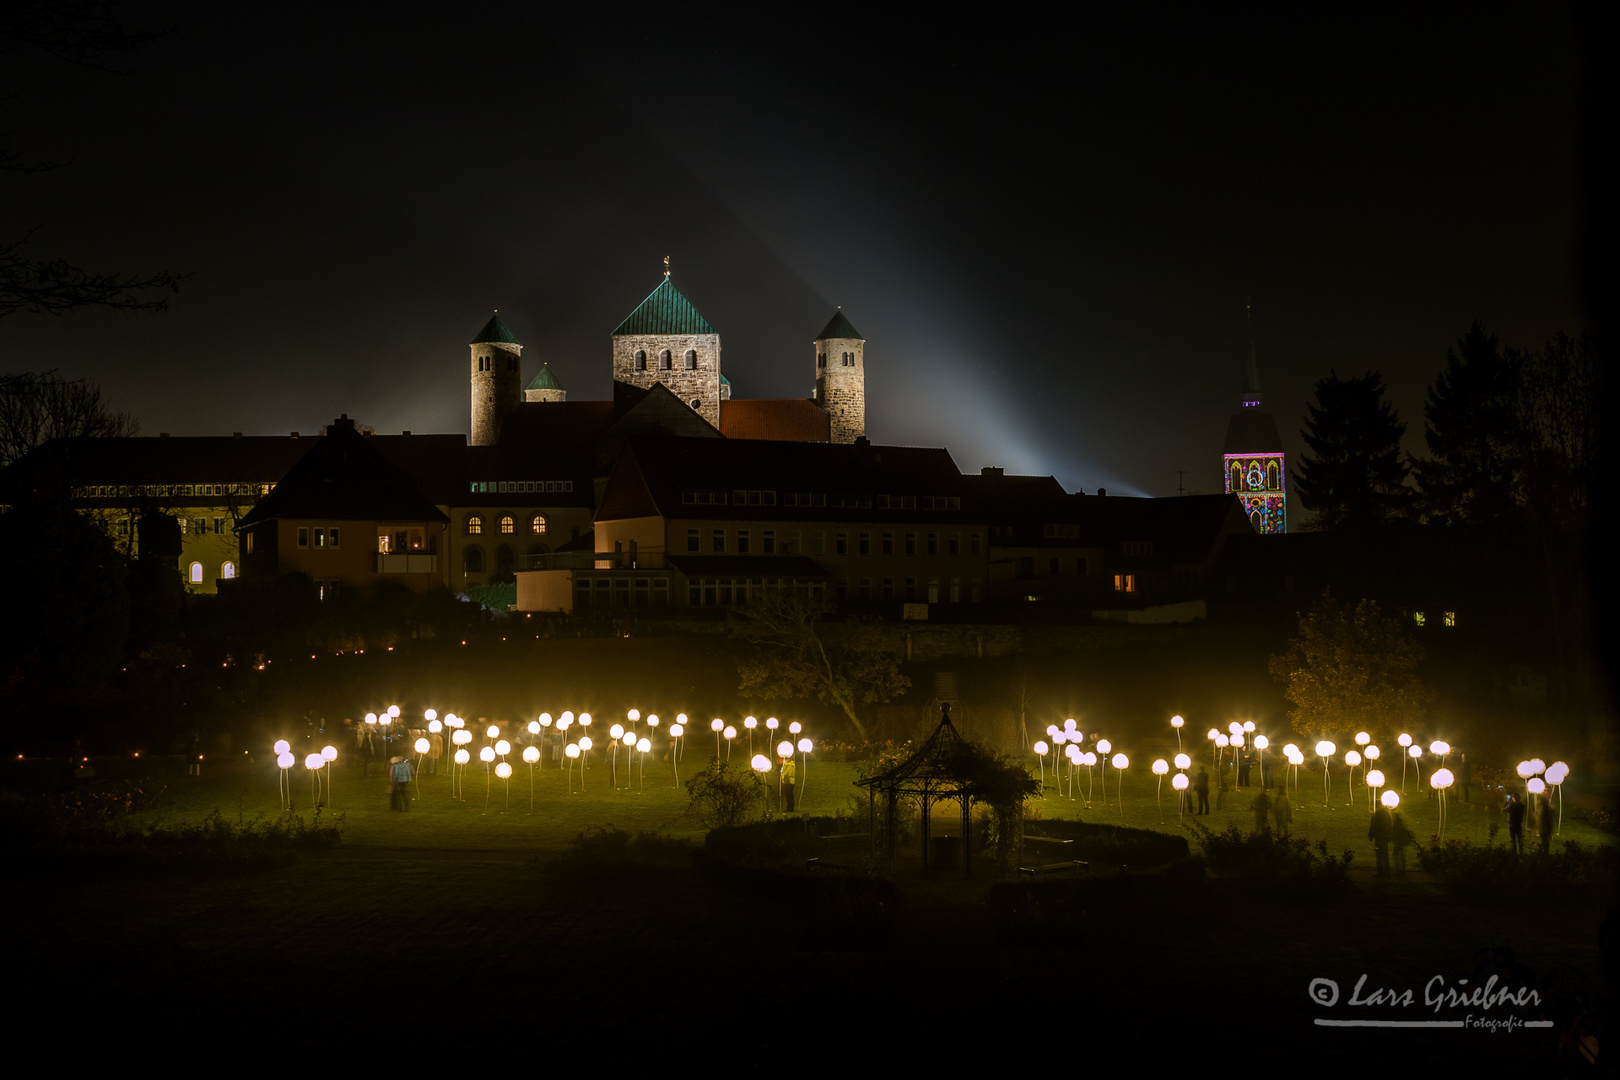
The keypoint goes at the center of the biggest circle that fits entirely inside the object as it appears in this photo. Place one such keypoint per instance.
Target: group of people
(1516, 810)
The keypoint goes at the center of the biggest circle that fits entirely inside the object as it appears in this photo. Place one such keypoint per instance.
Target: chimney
(992, 470)
(1102, 491)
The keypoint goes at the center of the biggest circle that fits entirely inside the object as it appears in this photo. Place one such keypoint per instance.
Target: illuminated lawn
(656, 803)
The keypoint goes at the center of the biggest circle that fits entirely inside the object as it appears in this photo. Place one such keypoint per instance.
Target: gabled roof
(839, 327)
(789, 419)
(345, 478)
(665, 311)
(545, 380)
(494, 331)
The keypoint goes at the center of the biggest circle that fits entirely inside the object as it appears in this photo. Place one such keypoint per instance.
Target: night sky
(1046, 230)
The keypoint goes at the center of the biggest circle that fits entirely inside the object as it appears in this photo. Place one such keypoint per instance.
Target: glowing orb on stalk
(1161, 767)
(617, 731)
(1537, 766)
(794, 728)
(676, 731)
(1069, 724)
(281, 747)
(1415, 751)
(534, 727)
(1261, 742)
(805, 746)
(1351, 758)
(1362, 738)
(421, 746)
(1103, 746)
(761, 763)
(784, 749)
(1440, 747)
(1375, 778)
(1390, 799)
(462, 757)
(1537, 786)
(1041, 748)
(633, 715)
(313, 761)
(545, 719)
(504, 770)
(1442, 778)
(1120, 761)
(329, 753)
(644, 745)
(1557, 772)
(1404, 739)
(585, 742)
(502, 747)
(730, 732)
(1325, 749)
(493, 731)
(1088, 759)
(1222, 741)
(487, 754)
(435, 726)
(571, 750)
(1183, 761)
(1179, 781)
(393, 711)
(430, 714)
(1176, 721)
(1372, 753)
(717, 724)
(285, 760)
(531, 754)
(1525, 771)
(1072, 752)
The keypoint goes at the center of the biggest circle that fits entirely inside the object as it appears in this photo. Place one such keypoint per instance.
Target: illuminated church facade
(1253, 460)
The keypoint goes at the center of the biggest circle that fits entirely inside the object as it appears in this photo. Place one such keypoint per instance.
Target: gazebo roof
(933, 769)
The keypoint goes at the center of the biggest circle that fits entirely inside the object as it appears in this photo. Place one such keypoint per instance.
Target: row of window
(518, 487)
(311, 537)
(844, 359)
(863, 543)
(200, 527)
(506, 524)
(195, 573)
(487, 363)
(666, 362)
(183, 491)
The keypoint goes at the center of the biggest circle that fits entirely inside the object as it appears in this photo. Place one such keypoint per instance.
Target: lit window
(196, 573)
(227, 571)
(1451, 618)
(537, 525)
(1417, 617)
(1124, 582)
(507, 524)
(332, 537)
(475, 525)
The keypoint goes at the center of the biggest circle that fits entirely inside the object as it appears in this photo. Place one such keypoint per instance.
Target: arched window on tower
(664, 361)
(691, 359)
(641, 360)
(475, 524)
(821, 359)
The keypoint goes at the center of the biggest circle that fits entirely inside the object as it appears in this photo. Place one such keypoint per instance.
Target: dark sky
(1046, 228)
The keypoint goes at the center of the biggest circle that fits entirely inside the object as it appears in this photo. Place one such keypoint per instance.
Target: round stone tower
(545, 387)
(497, 380)
(841, 377)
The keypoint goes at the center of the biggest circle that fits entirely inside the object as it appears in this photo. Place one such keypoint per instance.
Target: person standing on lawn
(790, 779)
(399, 784)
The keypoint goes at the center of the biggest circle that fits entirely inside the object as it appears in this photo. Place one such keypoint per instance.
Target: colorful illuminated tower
(1255, 471)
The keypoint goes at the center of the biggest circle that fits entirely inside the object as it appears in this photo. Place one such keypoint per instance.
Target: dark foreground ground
(454, 956)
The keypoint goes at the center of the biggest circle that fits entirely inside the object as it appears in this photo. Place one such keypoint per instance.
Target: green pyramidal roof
(666, 311)
(839, 327)
(545, 380)
(494, 330)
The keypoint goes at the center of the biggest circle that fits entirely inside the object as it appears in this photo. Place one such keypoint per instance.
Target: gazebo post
(967, 849)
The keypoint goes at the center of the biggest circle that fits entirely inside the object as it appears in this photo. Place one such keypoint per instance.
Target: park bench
(1047, 855)
(839, 851)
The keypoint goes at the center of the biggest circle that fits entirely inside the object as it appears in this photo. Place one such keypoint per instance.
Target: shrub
(1487, 872)
(722, 795)
(1269, 859)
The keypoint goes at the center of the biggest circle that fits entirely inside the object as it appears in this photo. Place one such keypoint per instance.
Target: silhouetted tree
(798, 654)
(1473, 425)
(1354, 477)
(84, 34)
(36, 408)
(1350, 669)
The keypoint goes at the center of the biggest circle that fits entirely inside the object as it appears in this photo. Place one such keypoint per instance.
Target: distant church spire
(1251, 369)
(666, 266)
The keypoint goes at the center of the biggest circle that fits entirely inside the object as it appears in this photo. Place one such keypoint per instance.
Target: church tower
(497, 380)
(545, 387)
(841, 377)
(666, 341)
(1253, 461)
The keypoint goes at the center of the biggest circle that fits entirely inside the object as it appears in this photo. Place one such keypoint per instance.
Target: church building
(1253, 459)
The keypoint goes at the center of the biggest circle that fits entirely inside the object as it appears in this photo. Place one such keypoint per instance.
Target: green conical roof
(494, 330)
(545, 380)
(724, 381)
(839, 327)
(666, 311)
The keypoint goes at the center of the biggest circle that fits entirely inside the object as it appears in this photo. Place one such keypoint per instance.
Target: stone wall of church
(496, 388)
(841, 388)
(700, 384)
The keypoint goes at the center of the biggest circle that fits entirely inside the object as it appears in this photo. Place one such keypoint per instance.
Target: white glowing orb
(504, 770)
(1161, 767)
(502, 747)
(1525, 771)
(1103, 746)
(1390, 799)
(285, 759)
(794, 728)
(730, 732)
(761, 763)
(585, 742)
(1222, 741)
(617, 731)
(1121, 761)
(1069, 724)
(1325, 749)
(1404, 739)
(1537, 786)
(1261, 742)
(1179, 781)
(421, 746)
(493, 731)
(1041, 748)
(313, 761)
(1183, 761)
(371, 718)
(1088, 759)
(805, 746)
(571, 750)
(1537, 766)
(1441, 747)
(633, 715)
(282, 746)
(435, 726)
(784, 749)
(531, 754)
(717, 724)
(1212, 733)
(644, 745)
(1176, 721)
(1375, 778)
(534, 727)
(1557, 773)
(676, 731)
(487, 754)
(1362, 738)
(1072, 752)
(750, 723)
(544, 719)
(393, 711)
(462, 757)
(1351, 758)
(1442, 778)
(1415, 751)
